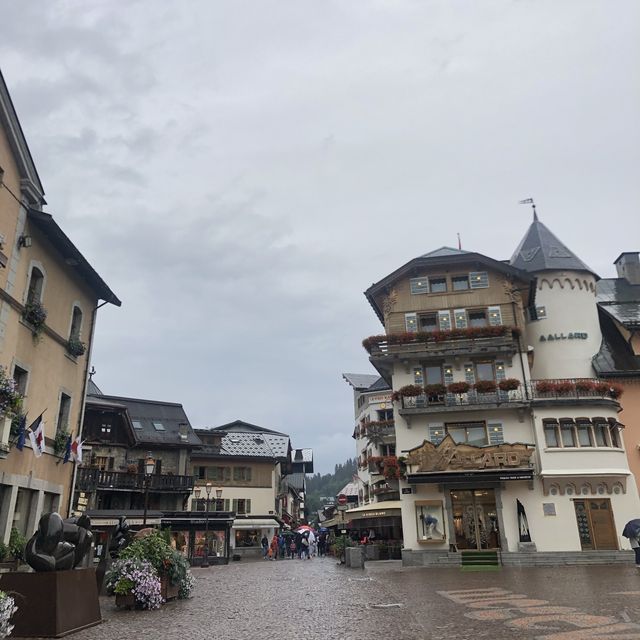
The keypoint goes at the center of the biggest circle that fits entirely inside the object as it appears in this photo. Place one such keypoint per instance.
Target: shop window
(247, 538)
(474, 433)
(460, 283)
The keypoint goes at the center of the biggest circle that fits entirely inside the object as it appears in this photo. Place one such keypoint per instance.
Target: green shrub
(4, 551)
(17, 543)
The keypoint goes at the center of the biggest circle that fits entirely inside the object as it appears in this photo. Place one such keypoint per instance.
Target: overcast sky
(240, 172)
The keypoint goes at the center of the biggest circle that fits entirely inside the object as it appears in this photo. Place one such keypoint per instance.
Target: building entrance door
(475, 519)
(595, 524)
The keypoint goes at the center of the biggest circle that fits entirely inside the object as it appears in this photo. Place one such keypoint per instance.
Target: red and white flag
(36, 435)
(76, 450)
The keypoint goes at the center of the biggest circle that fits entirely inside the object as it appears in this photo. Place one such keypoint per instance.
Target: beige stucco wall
(630, 417)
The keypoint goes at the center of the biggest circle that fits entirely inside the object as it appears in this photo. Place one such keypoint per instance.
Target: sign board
(407, 490)
(342, 499)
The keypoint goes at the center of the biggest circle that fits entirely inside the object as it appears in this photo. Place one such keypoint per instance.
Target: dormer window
(136, 424)
(158, 426)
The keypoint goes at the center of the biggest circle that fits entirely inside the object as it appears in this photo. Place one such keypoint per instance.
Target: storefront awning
(387, 509)
(256, 523)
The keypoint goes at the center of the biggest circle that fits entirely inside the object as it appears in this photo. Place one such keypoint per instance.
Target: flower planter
(125, 600)
(168, 590)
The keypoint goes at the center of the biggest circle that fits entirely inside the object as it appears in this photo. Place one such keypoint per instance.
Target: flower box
(410, 390)
(485, 386)
(509, 384)
(435, 389)
(168, 591)
(459, 387)
(127, 600)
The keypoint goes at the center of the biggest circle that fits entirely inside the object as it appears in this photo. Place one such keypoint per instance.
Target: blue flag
(67, 450)
(22, 432)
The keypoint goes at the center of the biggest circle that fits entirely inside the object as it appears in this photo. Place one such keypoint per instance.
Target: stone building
(506, 439)
(49, 299)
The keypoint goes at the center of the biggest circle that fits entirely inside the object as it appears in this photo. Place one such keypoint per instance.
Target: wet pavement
(318, 599)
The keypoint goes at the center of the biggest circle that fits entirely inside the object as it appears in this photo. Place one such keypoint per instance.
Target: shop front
(247, 533)
(196, 536)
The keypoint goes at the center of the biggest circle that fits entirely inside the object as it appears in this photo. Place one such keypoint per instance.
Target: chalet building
(49, 299)
(619, 357)
(377, 508)
(120, 436)
(245, 468)
(506, 439)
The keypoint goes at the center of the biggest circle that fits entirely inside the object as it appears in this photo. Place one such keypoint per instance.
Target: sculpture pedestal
(53, 603)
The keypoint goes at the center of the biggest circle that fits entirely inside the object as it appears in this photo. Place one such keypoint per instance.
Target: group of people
(301, 544)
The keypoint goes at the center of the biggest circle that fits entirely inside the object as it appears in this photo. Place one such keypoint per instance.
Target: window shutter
(226, 504)
(227, 473)
(418, 376)
(447, 374)
(495, 316)
(496, 435)
(460, 318)
(444, 320)
(248, 474)
(479, 280)
(235, 505)
(469, 374)
(436, 432)
(247, 505)
(419, 285)
(501, 373)
(411, 322)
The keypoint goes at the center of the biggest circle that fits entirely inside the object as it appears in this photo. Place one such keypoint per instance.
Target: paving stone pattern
(309, 600)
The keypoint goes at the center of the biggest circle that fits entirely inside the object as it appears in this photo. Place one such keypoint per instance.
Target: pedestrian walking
(274, 547)
(282, 545)
(632, 532)
(265, 546)
(292, 549)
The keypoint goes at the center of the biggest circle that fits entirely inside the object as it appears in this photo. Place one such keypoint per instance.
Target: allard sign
(451, 456)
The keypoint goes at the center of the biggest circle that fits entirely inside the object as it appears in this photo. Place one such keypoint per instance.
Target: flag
(36, 435)
(67, 450)
(22, 433)
(76, 449)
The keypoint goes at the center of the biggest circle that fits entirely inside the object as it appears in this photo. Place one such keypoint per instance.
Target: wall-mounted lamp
(24, 241)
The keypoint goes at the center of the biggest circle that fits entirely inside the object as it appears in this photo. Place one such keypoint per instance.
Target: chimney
(628, 266)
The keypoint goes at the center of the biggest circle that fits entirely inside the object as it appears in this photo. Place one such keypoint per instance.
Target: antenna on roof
(533, 206)
(459, 242)
(92, 373)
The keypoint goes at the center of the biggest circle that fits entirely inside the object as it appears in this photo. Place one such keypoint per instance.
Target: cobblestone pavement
(318, 599)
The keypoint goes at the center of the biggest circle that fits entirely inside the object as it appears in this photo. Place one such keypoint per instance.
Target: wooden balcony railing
(95, 479)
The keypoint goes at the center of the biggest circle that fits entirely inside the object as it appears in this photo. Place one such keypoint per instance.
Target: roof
(93, 389)
(615, 357)
(443, 257)
(621, 300)
(245, 427)
(303, 455)
(349, 489)
(296, 480)
(271, 446)
(380, 385)
(30, 181)
(171, 415)
(360, 381)
(45, 223)
(540, 250)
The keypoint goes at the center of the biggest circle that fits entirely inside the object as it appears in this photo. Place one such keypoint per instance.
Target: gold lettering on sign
(450, 456)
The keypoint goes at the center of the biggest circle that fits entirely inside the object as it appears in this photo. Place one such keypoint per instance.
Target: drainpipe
(524, 377)
(94, 313)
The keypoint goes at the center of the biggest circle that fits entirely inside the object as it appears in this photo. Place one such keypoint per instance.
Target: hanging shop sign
(551, 337)
(451, 456)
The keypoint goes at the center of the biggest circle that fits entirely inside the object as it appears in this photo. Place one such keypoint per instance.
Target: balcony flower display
(391, 468)
(35, 314)
(564, 388)
(545, 386)
(485, 386)
(76, 347)
(7, 609)
(10, 398)
(459, 387)
(435, 389)
(509, 384)
(586, 385)
(408, 391)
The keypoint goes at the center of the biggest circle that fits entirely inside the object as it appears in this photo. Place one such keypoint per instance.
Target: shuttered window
(444, 320)
(469, 374)
(496, 435)
(419, 285)
(418, 377)
(495, 316)
(436, 432)
(479, 279)
(411, 322)
(448, 373)
(501, 372)
(460, 318)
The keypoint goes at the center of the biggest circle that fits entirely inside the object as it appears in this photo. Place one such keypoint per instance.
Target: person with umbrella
(632, 532)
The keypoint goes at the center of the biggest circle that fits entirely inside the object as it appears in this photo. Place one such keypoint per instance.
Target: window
(541, 313)
(239, 505)
(495, 316)
(388, 450)
(460, 283)
(104, 463)
(460, 318)
(385, 414)
(438, 284)
(485, 371)
(36, 285)
(76, 324)
(551, 433)
(477, 318)
(428, 322)
(158, 426)
(568, 433)
(474, 433)
(585, 438)
(63, 413)
(444, 320)
(199, 473)
(600, 429)
(219, 473)
(21, 377)
(419, 285)
(105, 430)
(614, 433)
(242, 474)
(433, 374)
(410, 322)
(479, 279)
(136, 424)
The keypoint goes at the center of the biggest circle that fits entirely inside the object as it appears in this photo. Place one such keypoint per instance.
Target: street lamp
(149, 468)
(205, 562)
(218, 500)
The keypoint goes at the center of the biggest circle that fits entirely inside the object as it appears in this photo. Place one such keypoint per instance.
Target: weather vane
(533, 206)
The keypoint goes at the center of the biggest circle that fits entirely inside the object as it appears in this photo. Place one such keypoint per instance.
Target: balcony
(469, 401)
(380, 432)
(95, 479)
(573, 390)
(455, 342)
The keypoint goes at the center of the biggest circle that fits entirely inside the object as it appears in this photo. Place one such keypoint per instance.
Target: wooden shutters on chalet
(411, 322)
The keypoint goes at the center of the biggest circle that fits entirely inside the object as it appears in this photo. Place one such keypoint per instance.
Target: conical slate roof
(540, 250)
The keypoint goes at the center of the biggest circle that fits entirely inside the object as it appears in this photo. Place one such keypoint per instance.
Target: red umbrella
(303, 528)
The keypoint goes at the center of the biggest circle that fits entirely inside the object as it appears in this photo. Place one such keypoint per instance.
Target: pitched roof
(93, 389)
(247, 444)
(360, 381)
(615, 358)
(621, 300)
(443, 252)
(170, 415)
(349, 489)
(540, 250)
(245, 427)
(380, 385)
(296, 480)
